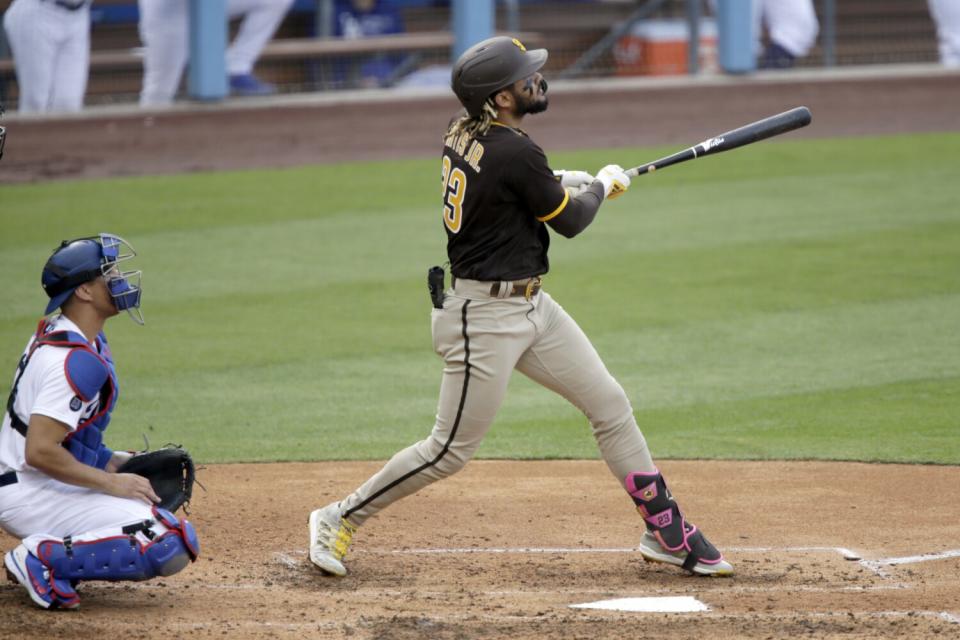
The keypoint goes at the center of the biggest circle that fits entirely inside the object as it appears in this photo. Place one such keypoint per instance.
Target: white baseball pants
(37, 508)
(51, 54)
(165, 33)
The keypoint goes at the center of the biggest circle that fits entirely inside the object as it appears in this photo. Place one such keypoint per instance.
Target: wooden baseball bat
(747, 134)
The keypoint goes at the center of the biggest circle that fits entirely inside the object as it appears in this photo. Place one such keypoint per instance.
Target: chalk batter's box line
(876, 565)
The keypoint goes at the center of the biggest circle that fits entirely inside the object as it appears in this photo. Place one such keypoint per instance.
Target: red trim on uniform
(65, 598)
(160, 538)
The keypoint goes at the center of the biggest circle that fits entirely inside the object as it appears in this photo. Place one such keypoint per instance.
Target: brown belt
(526, 289)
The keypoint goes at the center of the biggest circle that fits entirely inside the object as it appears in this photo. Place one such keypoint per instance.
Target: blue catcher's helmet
(78, 261)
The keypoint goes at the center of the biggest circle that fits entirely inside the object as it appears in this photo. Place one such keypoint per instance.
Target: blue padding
(104, 453)
(190, 537)
(102, 422)
(85, 445)
(168, 554)
(183, 526)
(52, 591)
(166, 518)
(117, 558)
(86, 373)
(124, 296)
(114, 14)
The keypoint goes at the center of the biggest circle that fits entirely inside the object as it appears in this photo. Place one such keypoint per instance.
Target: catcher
(62, 491)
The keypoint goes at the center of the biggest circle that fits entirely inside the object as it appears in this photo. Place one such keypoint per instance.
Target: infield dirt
(503, 549)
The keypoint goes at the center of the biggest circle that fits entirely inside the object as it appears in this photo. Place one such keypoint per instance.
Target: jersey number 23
(454, 186)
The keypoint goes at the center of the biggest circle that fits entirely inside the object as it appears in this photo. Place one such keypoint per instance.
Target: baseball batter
(50, 43)
(499, 197)
(59, 491)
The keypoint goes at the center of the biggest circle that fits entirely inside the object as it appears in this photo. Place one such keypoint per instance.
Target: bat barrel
(780, 123)
(754, 132)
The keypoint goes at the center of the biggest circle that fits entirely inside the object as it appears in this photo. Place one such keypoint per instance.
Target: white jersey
(36, 507)
(45, 390)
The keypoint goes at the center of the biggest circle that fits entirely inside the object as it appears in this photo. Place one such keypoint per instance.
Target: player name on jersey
(468, 148)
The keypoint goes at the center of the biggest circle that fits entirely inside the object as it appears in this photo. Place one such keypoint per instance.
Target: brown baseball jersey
(498, 191)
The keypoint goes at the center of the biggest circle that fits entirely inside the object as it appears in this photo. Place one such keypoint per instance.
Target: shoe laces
(336, 539)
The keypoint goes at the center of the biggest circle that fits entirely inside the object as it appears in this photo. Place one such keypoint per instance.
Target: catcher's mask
(81, 260)
(492, 65)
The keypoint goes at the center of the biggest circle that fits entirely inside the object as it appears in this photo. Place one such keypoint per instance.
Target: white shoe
(23, 567)
(653, 551)
(330, 537)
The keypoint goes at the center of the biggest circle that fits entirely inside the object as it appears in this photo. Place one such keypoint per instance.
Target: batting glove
(573, 179)
(575, 182)
(615, 181)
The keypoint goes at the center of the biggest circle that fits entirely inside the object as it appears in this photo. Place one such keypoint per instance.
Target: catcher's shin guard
(162, 551)
(669, 537)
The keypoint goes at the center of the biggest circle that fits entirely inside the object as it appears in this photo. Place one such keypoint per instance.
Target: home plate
(670, 604)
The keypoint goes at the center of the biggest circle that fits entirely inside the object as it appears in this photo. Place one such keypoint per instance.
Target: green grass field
(796, 299)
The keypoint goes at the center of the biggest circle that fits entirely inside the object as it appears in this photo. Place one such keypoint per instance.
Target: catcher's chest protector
(88, 373)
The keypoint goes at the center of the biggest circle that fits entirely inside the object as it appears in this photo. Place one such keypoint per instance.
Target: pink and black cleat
(669, 538)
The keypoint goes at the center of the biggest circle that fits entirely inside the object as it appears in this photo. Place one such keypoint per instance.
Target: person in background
(165, 32)
(363, 19)
(50, 43)
(946, 15)
(792, 29)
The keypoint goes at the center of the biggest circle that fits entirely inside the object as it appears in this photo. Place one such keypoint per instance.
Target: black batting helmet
(489, 66)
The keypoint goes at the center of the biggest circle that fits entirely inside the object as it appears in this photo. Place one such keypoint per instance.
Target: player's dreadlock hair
(473, 127)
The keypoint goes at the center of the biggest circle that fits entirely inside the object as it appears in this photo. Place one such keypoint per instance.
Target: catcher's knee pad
(183, 527)
(664, 519)
(124, 557)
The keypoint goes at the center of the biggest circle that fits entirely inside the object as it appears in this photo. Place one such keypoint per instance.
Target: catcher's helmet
(78, 261)
(489, 66)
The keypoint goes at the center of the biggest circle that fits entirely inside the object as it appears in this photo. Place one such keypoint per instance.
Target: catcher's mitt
(170, 471)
